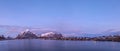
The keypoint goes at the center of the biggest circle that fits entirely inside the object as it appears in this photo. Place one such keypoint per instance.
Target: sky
(91, 16)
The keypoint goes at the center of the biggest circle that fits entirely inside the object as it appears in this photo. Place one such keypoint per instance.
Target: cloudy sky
(62, 15)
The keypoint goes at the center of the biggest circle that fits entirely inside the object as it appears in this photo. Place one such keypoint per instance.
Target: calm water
(57, 45)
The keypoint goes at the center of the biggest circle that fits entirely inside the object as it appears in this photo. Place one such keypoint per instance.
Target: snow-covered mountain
(52, 35)
(13, 31)
(26, 35)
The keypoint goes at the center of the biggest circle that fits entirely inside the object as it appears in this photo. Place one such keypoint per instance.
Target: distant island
(58, 36)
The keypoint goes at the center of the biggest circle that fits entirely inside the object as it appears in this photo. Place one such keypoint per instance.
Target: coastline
(106, 38)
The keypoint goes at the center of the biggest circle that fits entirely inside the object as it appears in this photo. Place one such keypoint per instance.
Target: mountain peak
(26, 35)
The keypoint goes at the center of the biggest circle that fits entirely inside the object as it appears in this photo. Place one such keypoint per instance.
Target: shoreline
(68, 39)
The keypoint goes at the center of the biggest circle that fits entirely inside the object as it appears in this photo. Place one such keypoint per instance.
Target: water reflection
(55, 45)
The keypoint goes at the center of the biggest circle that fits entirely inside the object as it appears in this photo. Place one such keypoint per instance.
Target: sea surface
(57, 45)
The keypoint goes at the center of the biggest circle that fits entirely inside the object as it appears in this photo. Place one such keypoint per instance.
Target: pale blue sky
(78, 15)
